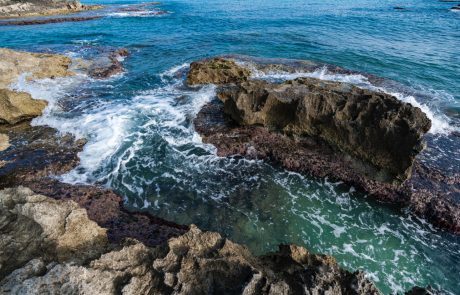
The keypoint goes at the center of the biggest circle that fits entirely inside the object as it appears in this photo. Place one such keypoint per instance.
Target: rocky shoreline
(258, 119)
(14, 9)
(80, 239)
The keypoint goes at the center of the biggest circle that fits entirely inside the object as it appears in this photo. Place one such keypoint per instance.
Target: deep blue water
(142, 144)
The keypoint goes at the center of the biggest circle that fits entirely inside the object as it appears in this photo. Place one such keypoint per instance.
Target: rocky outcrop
(14, 8)
(36, 226)
(428, 193)
(64, 252)
(216, 71)
(19, 106)
(370, 126)
(37, 65)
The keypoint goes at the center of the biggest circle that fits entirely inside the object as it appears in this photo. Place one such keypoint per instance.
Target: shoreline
(35, 146)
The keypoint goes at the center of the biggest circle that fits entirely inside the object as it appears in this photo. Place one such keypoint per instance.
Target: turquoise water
(142, 144)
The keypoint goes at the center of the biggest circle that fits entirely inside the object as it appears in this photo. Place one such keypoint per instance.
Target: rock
(48, 21)
(204, 262)
(108, 65)
(36, 226)
(216, 71)
(370, 126)
(19, 106)
(39, 65)
(13, 8)
(4, 142)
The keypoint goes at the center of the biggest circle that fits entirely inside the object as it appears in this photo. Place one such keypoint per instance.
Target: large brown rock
(370, 126)
(216, 71)
(19, 106)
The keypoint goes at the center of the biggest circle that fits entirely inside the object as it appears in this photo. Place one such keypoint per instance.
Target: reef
(365, 138)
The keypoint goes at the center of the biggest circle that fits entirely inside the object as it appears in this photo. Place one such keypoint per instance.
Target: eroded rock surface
(108, 65)
(216, 71)
(14, 8)
(194, 263)
(19, 106)
(36, 226)
(48, 21)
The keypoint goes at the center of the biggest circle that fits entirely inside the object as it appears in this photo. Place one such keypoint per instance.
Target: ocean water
(142, 144)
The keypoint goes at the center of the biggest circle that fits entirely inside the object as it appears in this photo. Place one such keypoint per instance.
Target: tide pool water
(141, 140)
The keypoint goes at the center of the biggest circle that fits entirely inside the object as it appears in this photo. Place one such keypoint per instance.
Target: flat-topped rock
(216, 71)
(37, 65)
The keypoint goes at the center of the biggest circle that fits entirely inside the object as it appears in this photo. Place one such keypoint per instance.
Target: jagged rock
(19, 106)
(39, 65)
(33, 226)
(216, 71)
(372, 126)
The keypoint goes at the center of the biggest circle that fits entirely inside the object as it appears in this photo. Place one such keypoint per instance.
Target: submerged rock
(108, 65)
(371, 126)
(19, 106)
(196, 262)
(36, 226)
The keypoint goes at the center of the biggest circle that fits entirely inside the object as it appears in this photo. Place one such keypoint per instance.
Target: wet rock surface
(14, 63)
(428, 193)
(370, 126)
(19, 106)
(108, 64)
(216, 71)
